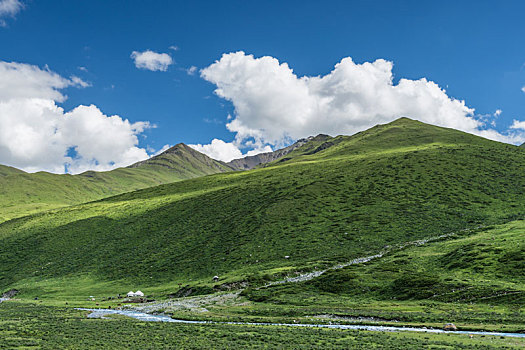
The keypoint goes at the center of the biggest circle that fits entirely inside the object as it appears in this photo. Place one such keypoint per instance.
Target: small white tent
(138, 293)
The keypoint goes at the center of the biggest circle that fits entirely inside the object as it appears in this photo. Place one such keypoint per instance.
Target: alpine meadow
(262, 175)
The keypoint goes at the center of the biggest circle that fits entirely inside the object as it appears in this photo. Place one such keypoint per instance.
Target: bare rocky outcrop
(10, 293)
(250, 162)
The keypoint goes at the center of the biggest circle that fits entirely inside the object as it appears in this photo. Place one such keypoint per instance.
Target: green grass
(22, 193)
(475, 280)
(330, 201)
(29, 325)
(395, 183)
(7, 170)
(487, 267)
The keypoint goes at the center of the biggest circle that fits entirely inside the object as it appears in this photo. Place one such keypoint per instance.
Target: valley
(404, 224)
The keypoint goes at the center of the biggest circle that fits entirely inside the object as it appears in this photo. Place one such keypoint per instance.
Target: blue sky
(472, 49)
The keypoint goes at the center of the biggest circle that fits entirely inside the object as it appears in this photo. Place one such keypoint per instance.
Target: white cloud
(191, 70)
(37, 134)
(174, 47)
(20, 80)
(9, 8)
(79, 82)
(516, 138)
(151, 60)
(227, 151)
(265, 149)
(523, 89)
(516, 124)
(274, 106)
(220, 150)
(497, 113)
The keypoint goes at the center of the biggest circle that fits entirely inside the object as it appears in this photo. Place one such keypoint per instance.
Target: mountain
(185, 161)
(250, 162)
(7, 170)
(328, 202)
(22, 193)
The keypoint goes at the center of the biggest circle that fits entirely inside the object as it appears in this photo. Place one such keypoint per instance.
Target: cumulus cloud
(274, 106)
(37, 134)
(264, 149)
(20, 80)
(151, 60)
(523, 89)
(227, 151)
(9, 8)
(220, 150)
(516, 124)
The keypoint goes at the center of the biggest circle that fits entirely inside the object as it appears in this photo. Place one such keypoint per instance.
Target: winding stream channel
(100, 313)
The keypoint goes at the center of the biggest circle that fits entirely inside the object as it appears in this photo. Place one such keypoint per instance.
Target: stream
(101, 313)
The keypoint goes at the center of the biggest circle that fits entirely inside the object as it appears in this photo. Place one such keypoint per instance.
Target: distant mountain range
(251, 162)
(22, 193)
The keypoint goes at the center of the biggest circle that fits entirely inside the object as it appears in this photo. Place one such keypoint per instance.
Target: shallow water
(100, 313)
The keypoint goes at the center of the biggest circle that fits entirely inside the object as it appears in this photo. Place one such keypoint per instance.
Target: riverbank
(26, 325)
(142, 316)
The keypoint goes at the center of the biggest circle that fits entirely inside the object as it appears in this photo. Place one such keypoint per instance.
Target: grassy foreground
(31, 326)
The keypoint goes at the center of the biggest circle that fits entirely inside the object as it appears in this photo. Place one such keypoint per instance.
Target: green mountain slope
(325, 204)
(484, 266)
(7, 170)
(402, 133)
(474, 279)
(22, 193)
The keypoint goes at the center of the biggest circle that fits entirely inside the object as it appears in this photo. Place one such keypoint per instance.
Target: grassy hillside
(22, 193)
(7, 170)
(392, 137)
(475, 279)
(488, 266)
(393, 183)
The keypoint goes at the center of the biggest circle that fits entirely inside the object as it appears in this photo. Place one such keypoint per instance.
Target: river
(100, 313)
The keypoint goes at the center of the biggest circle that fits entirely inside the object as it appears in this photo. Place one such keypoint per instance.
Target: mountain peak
(182, 157)
(404, 120)
(177, 148)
